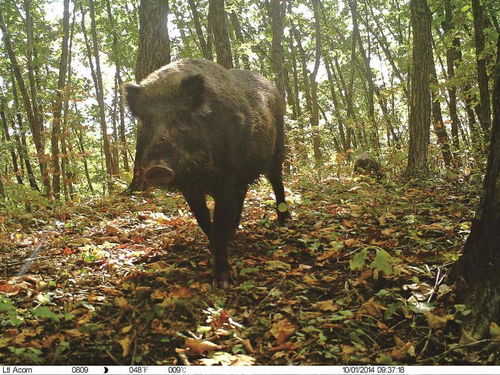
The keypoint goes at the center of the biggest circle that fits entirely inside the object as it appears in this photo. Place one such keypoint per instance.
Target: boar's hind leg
(276, 181)
(228, 206)
(198, 205)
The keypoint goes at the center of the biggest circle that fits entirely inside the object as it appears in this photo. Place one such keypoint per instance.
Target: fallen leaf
(370, 307)
(282, 330)
(436, 321)
(199, 347)
(286, 346)
(125, 344)
(327, 305)
(122, 303)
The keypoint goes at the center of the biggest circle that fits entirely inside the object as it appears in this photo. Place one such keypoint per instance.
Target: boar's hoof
(283, 217)
(159, 175)
(223, 278)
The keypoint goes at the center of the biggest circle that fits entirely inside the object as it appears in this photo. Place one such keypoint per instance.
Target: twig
(271, 291)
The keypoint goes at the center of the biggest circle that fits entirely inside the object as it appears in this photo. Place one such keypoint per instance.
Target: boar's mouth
(158, 175)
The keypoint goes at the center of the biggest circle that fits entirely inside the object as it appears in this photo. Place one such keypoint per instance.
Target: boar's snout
(158, 175)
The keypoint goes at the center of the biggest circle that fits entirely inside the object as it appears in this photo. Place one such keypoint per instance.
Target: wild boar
(203, 130)
(366, 163)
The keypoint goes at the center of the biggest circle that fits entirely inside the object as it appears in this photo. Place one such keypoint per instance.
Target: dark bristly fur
(207, 130)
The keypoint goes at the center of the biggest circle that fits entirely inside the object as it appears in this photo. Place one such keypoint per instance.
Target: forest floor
(359, 276)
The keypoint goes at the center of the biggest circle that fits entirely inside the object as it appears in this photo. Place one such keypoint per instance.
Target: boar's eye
(133, 94)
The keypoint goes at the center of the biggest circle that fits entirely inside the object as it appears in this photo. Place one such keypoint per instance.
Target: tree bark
(438, 123)
(33, 120)
(56, 121)
(482, 75)
(451, 56)
(154, 41)
(235, 22)
(368, 75)
(15, 166)
(218, 26)
(318, 157)
(121, 100)
(205, 47)
(420, 100)
(477, 269)
(97, 77)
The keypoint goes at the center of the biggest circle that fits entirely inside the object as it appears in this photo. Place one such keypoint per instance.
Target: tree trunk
(477, 269)
(277, 14)
(235, 22)
(218, 26)
(205, 48)
(121, 100)
(154, 47)
(93, 51)
(420, 100)
(482, 75)
(17, 171)
(438, 123)
(56, 121)
(33, 120)
(318, 157)
(368, 75)
(451, 56)
(154, 41)
(336, 106)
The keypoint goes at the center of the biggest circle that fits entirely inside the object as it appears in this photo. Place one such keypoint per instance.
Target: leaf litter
(358, 276)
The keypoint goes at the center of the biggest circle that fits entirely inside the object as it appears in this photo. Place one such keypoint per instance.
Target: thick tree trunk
(420, 100)
(218, 26)
(154, 41)
(56, 121)
(477, 269)
(277, 14)
(482, 75)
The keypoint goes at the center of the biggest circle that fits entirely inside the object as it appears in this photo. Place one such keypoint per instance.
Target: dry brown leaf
(286, 346)
(328, 254)
(282, 330)
(401, 353)
(122, 303)
(327, 305)
(181, 292)
(125, 344)
(370, 307)
(436, 321)
(248, 345)
(199, 347)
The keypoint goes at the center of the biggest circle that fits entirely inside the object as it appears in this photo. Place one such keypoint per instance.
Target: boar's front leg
(228, 206)
(198, 205)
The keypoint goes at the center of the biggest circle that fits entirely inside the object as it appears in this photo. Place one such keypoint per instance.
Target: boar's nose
(159, 175)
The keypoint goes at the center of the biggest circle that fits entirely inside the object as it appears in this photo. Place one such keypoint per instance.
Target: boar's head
(171, 138)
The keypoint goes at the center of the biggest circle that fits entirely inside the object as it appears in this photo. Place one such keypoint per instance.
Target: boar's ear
(132, 94)
(192, 88)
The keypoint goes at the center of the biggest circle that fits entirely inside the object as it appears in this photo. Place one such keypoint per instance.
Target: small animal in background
(366, 164)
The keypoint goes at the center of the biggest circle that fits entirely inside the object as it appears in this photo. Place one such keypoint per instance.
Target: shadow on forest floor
(357, 277)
